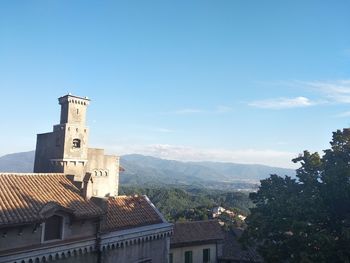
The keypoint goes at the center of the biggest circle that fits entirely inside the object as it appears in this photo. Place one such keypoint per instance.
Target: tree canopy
(186, 203)
(306, 219)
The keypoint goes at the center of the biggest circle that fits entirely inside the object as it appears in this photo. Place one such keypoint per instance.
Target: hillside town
(174, 131)
(70, 209)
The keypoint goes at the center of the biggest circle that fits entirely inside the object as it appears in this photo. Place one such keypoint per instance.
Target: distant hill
(17, 162)
(146, 170)
(140, 169)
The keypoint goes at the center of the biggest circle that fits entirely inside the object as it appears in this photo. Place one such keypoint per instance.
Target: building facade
(69, 209)
(196, 242)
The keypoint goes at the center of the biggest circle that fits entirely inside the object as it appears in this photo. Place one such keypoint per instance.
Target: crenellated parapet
(74, 100)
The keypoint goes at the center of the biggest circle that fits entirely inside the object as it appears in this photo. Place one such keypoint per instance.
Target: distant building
(242, 217)
(198, 241)
(218, 210)
(69, 209)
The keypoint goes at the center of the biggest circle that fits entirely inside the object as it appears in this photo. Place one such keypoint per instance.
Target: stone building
(69, 209)
(65, 150)
(197, 241)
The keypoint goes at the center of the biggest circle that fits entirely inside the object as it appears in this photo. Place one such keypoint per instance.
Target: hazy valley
(149, 171)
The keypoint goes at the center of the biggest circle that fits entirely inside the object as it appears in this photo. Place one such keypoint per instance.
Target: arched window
(76, 143)
(53, 228)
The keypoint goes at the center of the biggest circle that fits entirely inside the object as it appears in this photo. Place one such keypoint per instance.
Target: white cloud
(328, 92)
(283, 103)
(184, 153)
(337, 91)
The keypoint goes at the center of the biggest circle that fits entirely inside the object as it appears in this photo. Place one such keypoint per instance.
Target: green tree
(305, 219)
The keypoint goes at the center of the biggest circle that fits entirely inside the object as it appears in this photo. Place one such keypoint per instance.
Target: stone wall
(104, 170)
(16, 237)
(155, 250)
(21, 237)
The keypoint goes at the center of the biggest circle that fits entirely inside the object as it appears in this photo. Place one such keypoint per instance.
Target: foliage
(305, 219)
(184, 203)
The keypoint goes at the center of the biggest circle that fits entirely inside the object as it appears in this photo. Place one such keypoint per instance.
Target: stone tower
(65, 150)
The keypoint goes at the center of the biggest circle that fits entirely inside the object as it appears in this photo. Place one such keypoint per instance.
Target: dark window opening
(77, 111)
(188, 257)
(53, 228)
(76, 143)
(206, 255)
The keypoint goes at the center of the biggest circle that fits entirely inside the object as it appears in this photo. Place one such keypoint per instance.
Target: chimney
(87, 186)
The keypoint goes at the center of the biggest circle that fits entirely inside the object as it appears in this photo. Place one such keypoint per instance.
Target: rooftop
(32, 197)
(27, 198)
(130, 211)
(196, 232)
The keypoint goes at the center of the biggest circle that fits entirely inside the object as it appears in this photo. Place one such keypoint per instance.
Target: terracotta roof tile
(196, 232)
(24, 196)
(130, 211)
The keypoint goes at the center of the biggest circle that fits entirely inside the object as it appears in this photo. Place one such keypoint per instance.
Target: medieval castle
(69, 209)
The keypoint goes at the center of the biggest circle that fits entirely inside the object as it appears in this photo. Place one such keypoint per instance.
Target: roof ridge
(31, 174)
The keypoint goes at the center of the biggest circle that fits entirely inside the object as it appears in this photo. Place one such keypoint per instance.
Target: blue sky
(238, 81)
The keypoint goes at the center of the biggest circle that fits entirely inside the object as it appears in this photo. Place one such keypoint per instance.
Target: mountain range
(146, 170)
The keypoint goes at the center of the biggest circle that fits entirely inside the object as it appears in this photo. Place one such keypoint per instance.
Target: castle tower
(65, 150)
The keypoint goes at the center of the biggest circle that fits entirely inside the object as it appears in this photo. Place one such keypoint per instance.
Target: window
(188, 257)
(206, 255)
(53, 228)
(171, 258)
(76, 143)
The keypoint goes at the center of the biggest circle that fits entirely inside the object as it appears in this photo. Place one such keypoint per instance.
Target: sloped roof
(196, 232)
(24, 198)
(130, 211)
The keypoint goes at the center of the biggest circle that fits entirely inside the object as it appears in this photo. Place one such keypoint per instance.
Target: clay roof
(196, 232)
(28, 198)
(130, 211)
